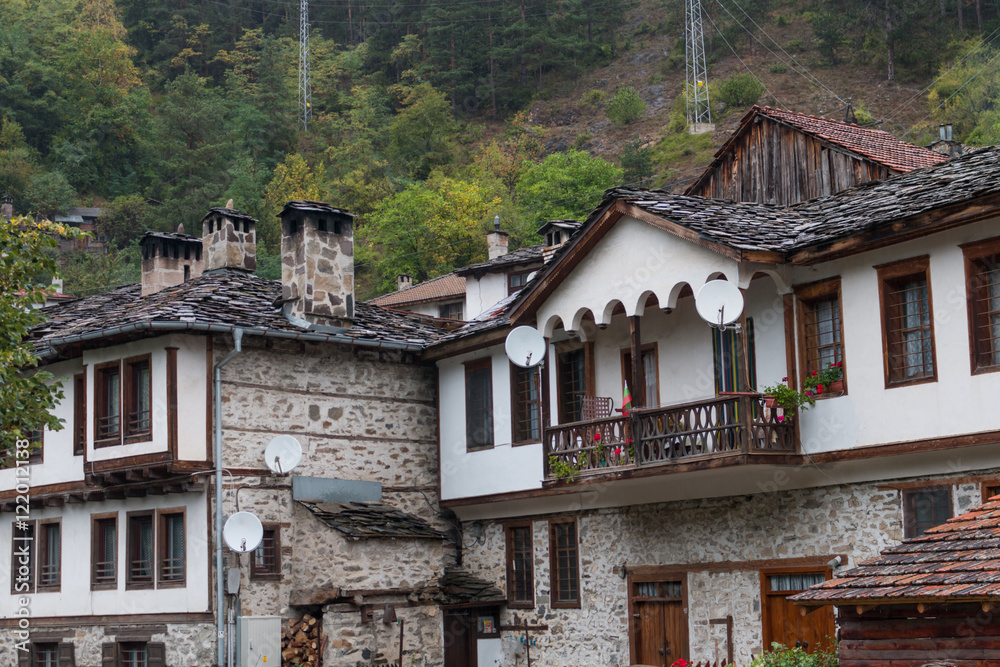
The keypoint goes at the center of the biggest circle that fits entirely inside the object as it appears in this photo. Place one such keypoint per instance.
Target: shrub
(592, 98)
(778, 69)
(795, 45)
(581, 140)
(781, 20)
(637, 162)
(740, 90)
(626, 107)
(779, 656)
(655, 78)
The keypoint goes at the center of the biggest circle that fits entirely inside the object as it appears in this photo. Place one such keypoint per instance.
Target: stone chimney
(229, 238)
(496, 241)
(317, 263)
(403, 281)
(7, 207)
(168, 260)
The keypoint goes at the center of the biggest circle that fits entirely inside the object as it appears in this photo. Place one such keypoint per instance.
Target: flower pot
(769, 401)
(836, 386)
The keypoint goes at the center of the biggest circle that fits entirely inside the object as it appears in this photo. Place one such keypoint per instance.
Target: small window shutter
(157, 654)
(67, 655)
(109, 654)
(24, 658)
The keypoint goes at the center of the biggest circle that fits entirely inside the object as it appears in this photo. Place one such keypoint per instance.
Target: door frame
(765, 591)
(649, 574)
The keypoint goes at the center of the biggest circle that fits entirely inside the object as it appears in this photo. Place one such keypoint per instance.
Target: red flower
(840, 364)
(808, 393)
(597, 436)
(618, 451)
(781, 418)
(819, 389)
(681, 663)
(784, 379)
(815, 372)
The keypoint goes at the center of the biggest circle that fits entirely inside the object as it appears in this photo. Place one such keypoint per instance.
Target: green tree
(17, 161)
(637, 162)
(49, 194)
(966, 94)
(292, 180)
(26, 398)
(126, 218)
(565, 185)
(626, 107)
(420, 135)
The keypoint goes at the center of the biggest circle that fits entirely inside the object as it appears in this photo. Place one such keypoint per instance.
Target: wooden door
(459, 639)
(659, 622)
(783, 620)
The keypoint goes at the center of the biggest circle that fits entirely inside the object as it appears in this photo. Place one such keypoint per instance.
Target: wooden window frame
(471, 367)
(130, 399)
(100, 403)
(160, 548)
(765, 590)
(512, 275)
(656, 573)
(554, 601)
(37, 454)
(79, 413)
(989, 489)
(274, 574)
(912, 267)
(626, 357)
(112, 653)
(15, 585)
(972, 253)
(805, 296)
(589, 372)
(906, 497)
(519, 405)
(96, 540)
(452, 304)
(130, 583)
(512, 602)
(42, 539)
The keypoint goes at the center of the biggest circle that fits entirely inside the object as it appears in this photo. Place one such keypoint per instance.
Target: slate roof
(751, 226)
(876, 145)
(458, 586)
(224, 298)
(448, 286)
(362, 521)
(524, 255)
(956, 561)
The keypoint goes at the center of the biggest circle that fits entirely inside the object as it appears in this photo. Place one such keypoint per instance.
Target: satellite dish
(719, 302)
(525, 347)
(243, 532)
(282, 454)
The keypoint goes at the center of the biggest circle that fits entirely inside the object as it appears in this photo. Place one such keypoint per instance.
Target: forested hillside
(430, 117)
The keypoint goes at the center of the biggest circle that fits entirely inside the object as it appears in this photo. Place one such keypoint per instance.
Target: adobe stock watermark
(22, 540)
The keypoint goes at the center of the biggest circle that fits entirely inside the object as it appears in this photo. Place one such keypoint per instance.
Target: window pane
(105, 564)
(173, 563)
(926, 509)
(46, 655)
(479, 407)
(527, 406)
(565, 580)
(986, 309)
(521, 565)
(911, 354)
(822, 334)
(572, 385)
(795, 582)
(51, 558)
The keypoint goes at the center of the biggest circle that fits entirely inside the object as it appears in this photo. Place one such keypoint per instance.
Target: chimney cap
(571, 225)
(229, 213)
(314, 206)
(169, 236)
(7, 199)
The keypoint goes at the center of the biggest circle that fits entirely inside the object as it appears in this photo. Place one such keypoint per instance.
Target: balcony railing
(726, 426)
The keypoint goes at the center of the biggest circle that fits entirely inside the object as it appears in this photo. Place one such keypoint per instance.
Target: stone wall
(354, 644)
(857, 520)
(190, 644)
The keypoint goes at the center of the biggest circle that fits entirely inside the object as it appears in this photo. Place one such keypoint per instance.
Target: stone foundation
(351, 643)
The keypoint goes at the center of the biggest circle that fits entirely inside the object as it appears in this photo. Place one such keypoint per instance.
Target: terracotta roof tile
(876, 145)
(448, 286)
(953, 561)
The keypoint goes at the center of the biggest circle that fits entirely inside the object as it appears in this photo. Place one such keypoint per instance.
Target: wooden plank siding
(901, 636)
(778, 164)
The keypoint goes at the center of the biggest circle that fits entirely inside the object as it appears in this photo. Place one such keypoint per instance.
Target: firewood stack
(301, 643)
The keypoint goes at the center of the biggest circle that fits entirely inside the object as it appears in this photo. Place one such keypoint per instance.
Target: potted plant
(830, 380)
(784, 397)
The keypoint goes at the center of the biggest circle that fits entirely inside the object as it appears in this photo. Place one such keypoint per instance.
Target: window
(139, 564)
(520, 567)
(575, 378)
(133, 654)
(48, 654)
(123, 405)
(478, 404)
(526, 405)
(924, 509)
(982, 274)
(517, 281)
(104, 551)
(821, 330)
(650, 371)
(22, 557)
(107, 392)
(990, 489)
(138, 421)
(726, 353)
(267, 557)
(172, 547)
(49, 555)
(79, 413)
(907, 328)
(564, 563)
(451, 311)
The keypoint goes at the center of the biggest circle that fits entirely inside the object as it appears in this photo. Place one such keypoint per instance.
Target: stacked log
(301, 642)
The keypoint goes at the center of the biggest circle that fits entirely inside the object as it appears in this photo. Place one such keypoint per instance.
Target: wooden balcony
(727, 430)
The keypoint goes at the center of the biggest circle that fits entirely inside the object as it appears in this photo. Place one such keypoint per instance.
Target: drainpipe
(220, 616)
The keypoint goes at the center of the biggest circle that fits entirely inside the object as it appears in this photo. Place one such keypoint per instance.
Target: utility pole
(699, 112)
(305, 83)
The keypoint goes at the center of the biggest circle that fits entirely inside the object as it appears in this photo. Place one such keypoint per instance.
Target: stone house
(680, 528)
(202, 358)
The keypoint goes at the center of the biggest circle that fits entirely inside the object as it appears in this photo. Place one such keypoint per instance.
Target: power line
(747, 67)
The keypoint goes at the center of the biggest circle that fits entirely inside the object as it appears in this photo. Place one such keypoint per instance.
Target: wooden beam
(638, 369)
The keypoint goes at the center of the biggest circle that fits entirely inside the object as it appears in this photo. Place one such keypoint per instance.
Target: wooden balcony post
(742, 362)
(746, 406)
(638, 385)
